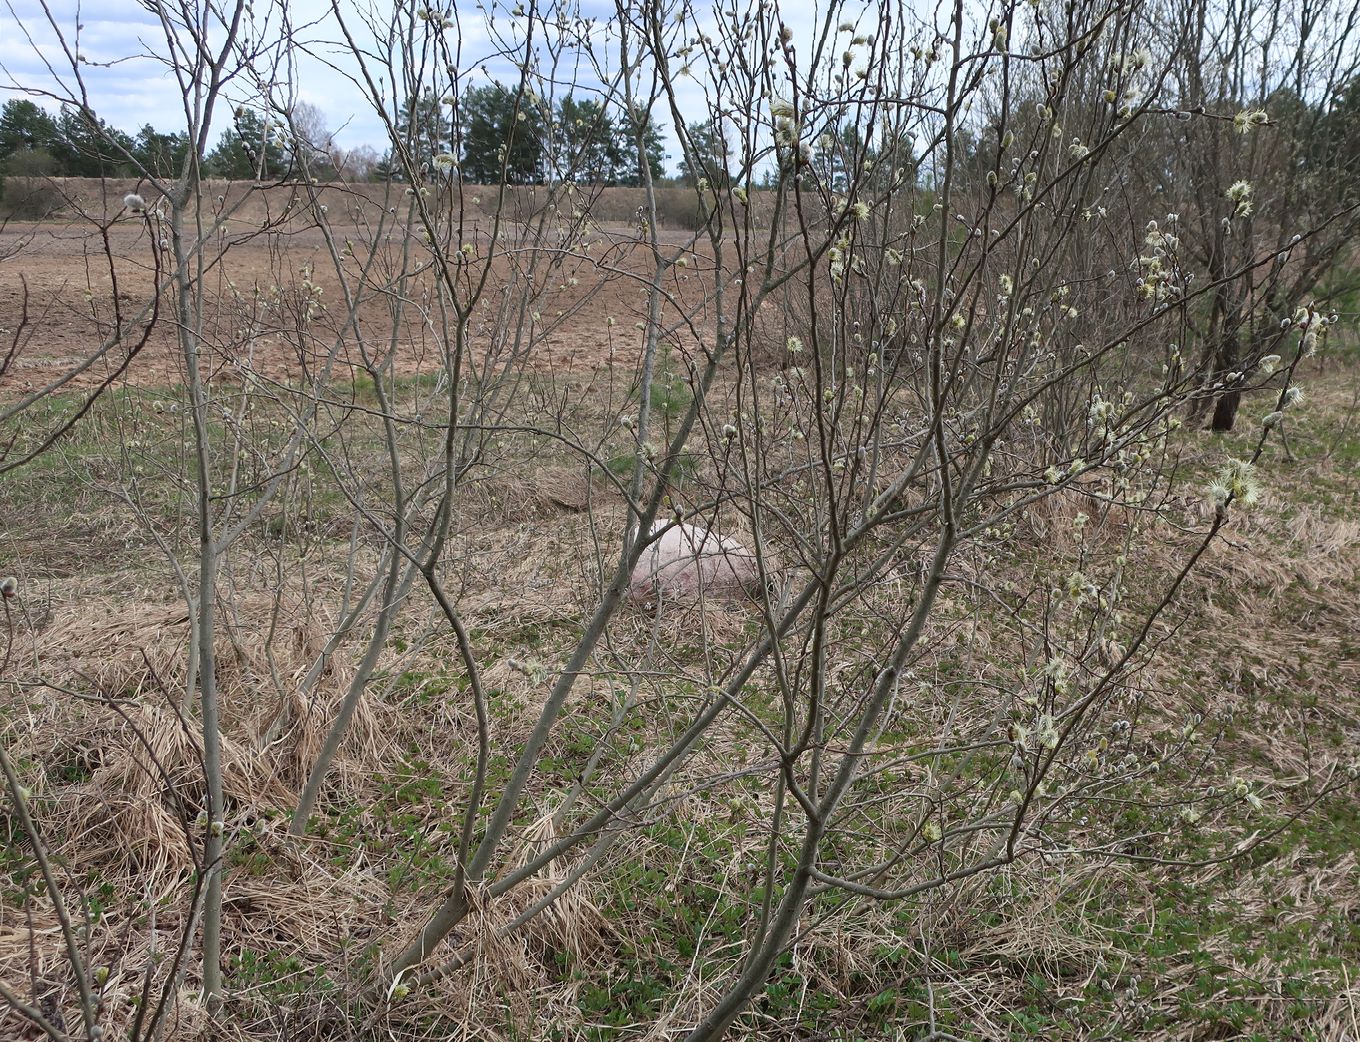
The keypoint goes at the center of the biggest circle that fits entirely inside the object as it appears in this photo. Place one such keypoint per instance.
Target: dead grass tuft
(130, 818)
(120, 650)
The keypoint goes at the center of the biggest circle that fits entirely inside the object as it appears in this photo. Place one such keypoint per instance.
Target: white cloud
(129, 83)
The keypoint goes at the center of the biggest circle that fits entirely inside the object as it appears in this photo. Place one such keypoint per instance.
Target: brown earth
(68, 281)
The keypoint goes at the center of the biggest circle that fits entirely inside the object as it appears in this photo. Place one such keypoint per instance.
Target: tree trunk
(1225, 411)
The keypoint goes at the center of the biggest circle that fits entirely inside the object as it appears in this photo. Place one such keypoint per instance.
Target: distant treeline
(487, 135)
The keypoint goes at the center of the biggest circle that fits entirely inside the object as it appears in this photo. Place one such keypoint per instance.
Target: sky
(129, 83)
(126, 75)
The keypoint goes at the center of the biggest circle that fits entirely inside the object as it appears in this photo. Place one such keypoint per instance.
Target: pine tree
(28, 135)
(161, 155)
(710, 155)
(502, 130)
(250, 150)
(629, 170)
(426, 131)
(588, 143)
(86, 146)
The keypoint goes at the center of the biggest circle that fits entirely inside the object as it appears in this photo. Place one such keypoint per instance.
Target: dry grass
(110, 752)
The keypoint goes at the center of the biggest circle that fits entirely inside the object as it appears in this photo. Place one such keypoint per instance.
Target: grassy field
(1240, 925)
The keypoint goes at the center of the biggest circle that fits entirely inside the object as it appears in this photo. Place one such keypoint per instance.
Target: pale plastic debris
(688, 561)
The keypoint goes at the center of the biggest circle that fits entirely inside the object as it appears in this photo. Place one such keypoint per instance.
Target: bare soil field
(70, 282)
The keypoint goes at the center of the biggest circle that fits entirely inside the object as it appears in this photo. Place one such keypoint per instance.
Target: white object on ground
(687, 562)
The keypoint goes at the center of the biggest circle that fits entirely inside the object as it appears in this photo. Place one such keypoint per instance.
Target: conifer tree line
(491, 134)
(487, 135)
(497, 135)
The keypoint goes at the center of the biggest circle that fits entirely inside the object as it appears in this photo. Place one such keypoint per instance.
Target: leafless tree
(938, 302)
